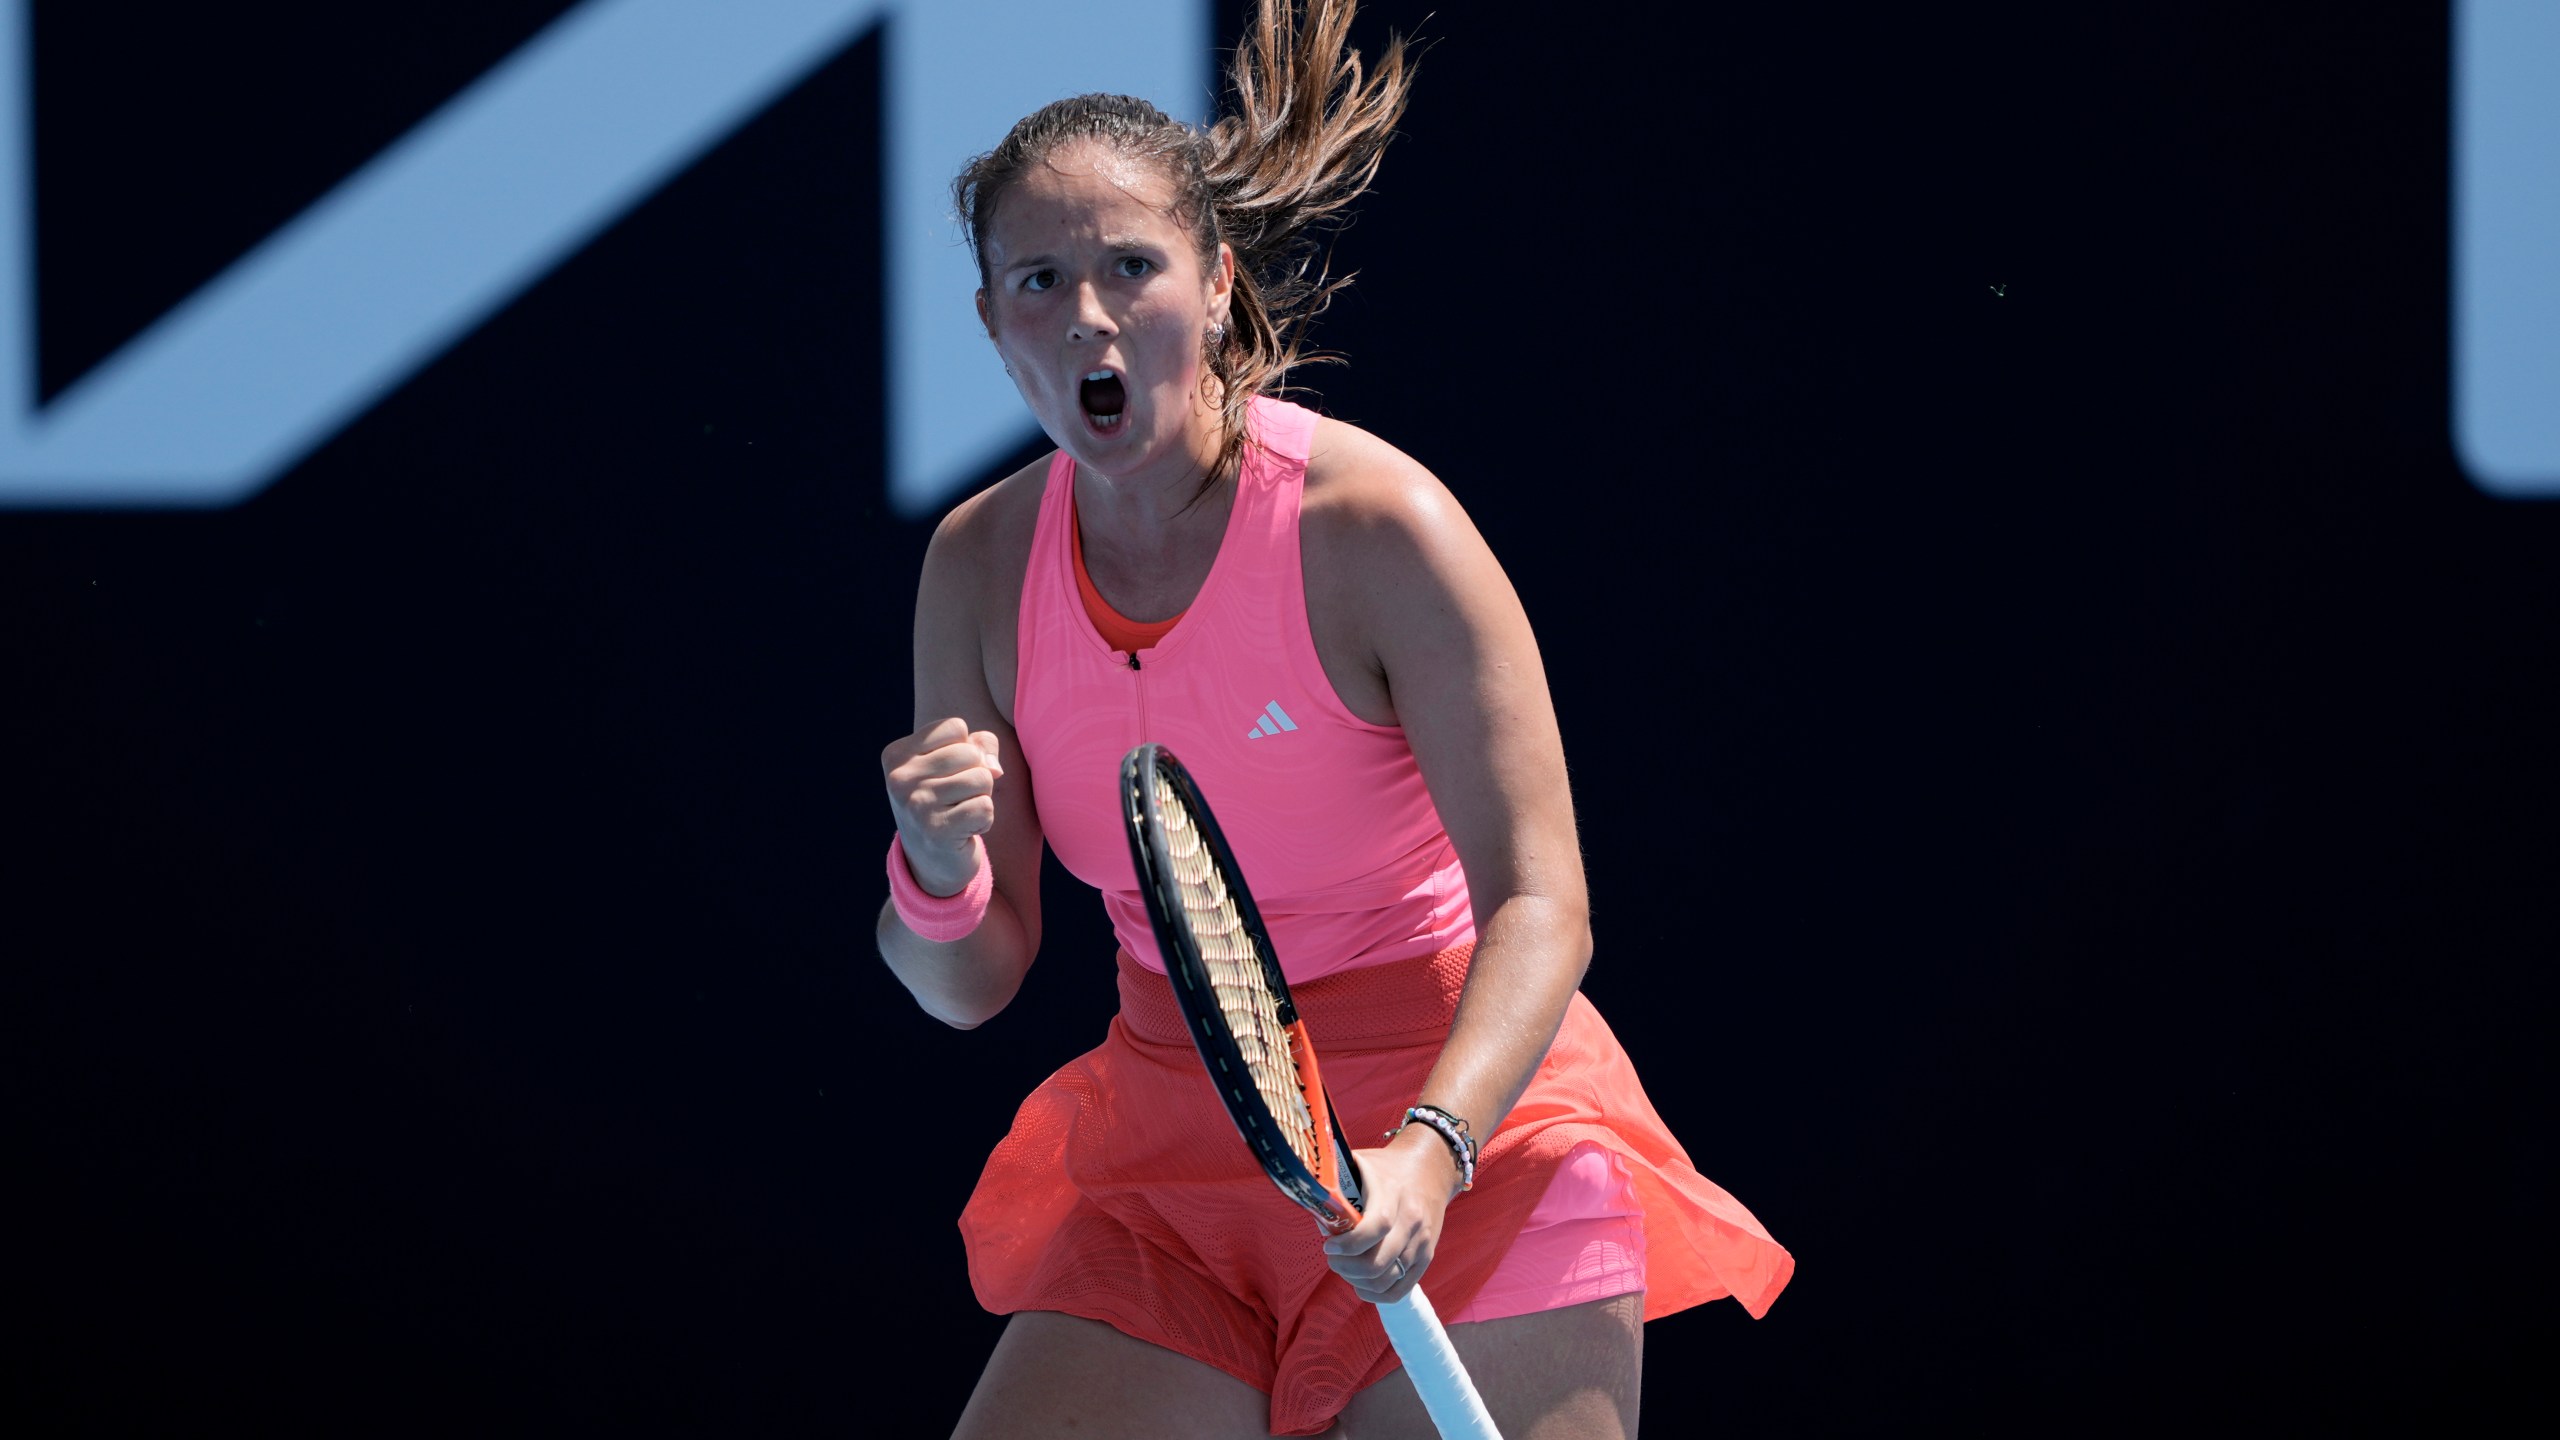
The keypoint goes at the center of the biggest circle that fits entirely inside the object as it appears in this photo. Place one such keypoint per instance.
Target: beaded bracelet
(1453, 1129)
(940, 917)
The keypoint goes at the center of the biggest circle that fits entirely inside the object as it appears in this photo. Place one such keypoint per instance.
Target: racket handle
(1431, 1362)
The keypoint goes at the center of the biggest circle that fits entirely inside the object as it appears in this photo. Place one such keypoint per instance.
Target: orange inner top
(1119, 630)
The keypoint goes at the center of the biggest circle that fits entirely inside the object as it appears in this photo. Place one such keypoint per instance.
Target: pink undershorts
(1584, 1242)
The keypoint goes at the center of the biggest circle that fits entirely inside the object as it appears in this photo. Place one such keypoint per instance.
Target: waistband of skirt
(1368, 1007)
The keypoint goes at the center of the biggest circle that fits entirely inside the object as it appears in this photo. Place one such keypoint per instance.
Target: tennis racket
(1226, 977)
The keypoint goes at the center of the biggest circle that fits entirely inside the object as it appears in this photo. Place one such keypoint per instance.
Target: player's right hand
(942, 787)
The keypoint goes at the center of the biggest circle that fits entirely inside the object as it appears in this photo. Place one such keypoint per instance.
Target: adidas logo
(1273, 721)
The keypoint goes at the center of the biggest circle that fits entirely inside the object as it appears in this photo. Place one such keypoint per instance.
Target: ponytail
(1309, 130)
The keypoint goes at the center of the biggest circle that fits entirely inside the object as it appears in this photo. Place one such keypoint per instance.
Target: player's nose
(1090, 320)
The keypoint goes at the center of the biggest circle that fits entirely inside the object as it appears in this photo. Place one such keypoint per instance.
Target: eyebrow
(1109, 242)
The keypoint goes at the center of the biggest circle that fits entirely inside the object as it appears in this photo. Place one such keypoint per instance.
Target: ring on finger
(1398, 1262)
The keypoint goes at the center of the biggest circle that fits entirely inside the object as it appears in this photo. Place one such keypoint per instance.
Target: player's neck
(1141, 545)
(1161, 506)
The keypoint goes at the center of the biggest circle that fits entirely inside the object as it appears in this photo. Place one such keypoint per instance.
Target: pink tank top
(1327, 813)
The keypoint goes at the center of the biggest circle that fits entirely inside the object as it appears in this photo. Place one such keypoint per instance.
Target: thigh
(1569, 1374)
(1055, 1373)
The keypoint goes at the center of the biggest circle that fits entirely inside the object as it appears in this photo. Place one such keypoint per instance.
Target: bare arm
(1462, 670)
(958, 778)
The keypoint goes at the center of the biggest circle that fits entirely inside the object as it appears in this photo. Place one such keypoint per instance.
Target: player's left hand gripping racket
(1227, 979)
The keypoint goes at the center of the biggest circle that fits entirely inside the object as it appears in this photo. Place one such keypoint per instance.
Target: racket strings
(1236, 975)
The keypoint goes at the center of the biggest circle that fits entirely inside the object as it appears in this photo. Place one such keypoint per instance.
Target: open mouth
(1104, 400)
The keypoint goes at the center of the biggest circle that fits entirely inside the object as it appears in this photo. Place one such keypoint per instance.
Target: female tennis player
(1307, 617)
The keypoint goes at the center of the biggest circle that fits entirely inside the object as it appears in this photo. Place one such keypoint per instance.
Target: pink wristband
(940, 917)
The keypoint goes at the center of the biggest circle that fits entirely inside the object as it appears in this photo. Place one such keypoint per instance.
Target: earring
(1217, 333)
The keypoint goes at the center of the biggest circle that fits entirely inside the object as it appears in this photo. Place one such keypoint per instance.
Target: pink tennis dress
(1122, 1193)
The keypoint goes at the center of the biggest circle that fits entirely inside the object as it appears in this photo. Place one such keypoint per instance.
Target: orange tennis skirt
(1123, 1194)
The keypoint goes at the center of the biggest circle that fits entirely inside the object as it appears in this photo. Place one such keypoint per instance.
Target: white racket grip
(1431, 1362)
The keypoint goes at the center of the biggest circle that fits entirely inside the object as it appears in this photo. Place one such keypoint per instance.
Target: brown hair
(1308, 130)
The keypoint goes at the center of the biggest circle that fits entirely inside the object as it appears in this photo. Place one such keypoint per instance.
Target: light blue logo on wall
(2506, 244)
(517, 173)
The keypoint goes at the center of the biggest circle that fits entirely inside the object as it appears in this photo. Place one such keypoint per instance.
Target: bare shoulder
(1398, 579)
(970, 595)
(989, 534)
(1370, 501)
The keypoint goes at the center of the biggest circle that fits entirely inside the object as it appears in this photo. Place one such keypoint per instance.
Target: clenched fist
(942, 788)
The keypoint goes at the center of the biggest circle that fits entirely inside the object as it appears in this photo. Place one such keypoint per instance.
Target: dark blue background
(2065, 758)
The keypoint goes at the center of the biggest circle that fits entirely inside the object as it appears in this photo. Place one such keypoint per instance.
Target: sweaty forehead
(1084, 192)
(1110, 165)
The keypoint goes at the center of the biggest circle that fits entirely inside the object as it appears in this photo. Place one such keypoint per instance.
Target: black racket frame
(1150, 852)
